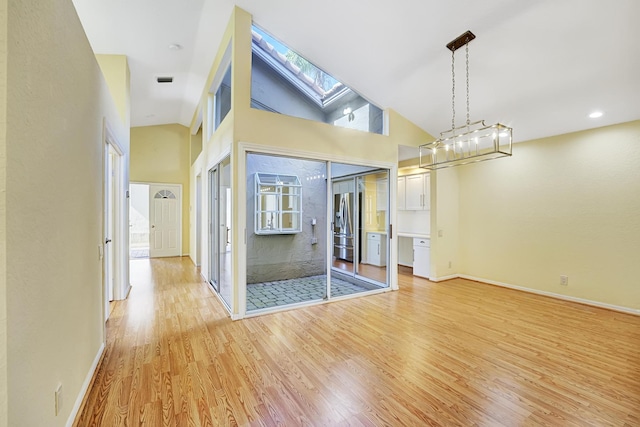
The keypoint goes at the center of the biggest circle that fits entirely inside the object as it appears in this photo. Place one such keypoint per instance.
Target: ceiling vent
(165, 79)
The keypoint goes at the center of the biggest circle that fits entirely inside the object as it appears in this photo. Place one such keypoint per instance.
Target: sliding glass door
(311, 234)
(360, 223)
(220, 227)
(286, 231)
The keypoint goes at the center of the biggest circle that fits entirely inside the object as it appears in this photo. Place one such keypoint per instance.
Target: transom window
(164, 194)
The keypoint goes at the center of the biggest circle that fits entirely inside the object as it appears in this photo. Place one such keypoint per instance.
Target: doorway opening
(139, 221)
(113, 232)
(155, 220)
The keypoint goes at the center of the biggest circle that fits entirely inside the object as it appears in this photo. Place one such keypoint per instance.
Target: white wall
(56, 101)
(565, 205)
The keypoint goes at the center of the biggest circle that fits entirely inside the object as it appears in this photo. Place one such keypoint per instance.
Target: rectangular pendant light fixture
(471, 142)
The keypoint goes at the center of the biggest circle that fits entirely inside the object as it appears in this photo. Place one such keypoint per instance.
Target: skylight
(321, 86)
(283, 81)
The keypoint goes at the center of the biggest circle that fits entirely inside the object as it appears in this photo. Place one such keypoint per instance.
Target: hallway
(453, 353)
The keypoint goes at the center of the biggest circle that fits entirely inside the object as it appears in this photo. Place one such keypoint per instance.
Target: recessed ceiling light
(175, 46)
(595, 114)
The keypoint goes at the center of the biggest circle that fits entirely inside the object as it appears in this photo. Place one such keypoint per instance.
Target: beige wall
(246, 127)
(196, 145)
(115, 69)
(445, 230)
(565, 205)
(3, 214)
(116, 72)
(56, 100)
(162, 154)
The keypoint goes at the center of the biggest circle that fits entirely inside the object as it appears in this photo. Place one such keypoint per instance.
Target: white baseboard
(443, 278)
(126, 293)
(592, 303)
(85, 387)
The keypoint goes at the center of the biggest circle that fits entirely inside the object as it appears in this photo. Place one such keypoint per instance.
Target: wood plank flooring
(452, 353)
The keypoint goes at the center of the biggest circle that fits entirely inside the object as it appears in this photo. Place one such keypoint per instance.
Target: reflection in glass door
(373, 194)
(360, 222)
(344, 224)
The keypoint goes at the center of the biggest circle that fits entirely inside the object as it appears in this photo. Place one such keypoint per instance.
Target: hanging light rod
(460, 41)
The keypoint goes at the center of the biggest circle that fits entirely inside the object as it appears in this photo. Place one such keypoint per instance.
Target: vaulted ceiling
(539, 66)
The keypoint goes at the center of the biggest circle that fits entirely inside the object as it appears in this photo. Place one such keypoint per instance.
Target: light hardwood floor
(452, 353)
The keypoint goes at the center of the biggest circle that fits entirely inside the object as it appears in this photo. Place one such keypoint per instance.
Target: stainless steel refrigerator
(343, 226)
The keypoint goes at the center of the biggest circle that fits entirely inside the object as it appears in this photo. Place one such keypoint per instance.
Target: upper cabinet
(401, 198)
(416, 194)
(382, 191)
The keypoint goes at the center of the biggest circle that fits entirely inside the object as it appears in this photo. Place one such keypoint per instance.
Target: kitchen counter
(417, 236)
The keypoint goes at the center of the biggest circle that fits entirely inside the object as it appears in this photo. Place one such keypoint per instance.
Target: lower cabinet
(421, 257)
(377, 249)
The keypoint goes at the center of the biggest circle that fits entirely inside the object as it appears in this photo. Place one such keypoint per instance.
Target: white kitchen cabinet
(382, 191)
(400, 198)
(377, 249)
(421, 257)
(417, 192)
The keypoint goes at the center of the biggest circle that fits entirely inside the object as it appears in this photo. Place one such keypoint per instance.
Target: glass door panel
(343, 225)
(286, 229)
(220, 230)
(213, 235)
(360, 222)
(225, 227)
(373, 191)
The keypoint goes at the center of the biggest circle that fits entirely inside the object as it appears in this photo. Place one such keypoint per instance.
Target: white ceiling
(538, 66)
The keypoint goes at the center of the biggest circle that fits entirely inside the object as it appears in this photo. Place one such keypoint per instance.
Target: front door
(164, 220)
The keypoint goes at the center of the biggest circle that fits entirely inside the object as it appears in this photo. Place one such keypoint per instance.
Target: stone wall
(288, 256)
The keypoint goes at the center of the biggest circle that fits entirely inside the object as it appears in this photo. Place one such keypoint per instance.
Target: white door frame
(198, 219)
(180, 201)
(113, 283)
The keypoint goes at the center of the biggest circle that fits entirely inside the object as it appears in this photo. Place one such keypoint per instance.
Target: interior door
(108, 267)
(164, 220)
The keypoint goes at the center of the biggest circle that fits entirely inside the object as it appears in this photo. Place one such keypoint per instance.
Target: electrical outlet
(58, 398)
(564, 280)
(314, 240)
